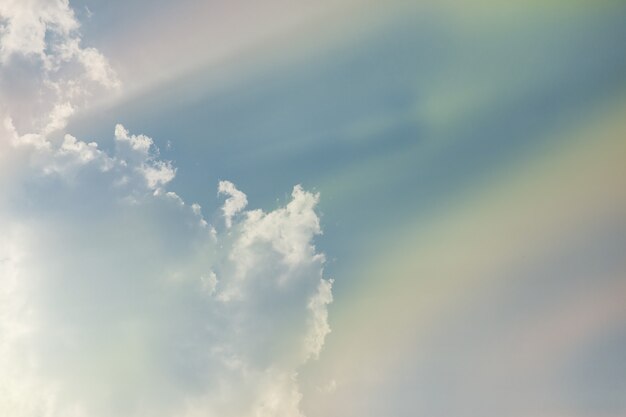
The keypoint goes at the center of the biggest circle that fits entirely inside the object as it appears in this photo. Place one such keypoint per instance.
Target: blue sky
(462, 173)
(351, 108)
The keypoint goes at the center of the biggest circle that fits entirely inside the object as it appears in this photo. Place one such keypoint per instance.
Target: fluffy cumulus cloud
(118, 298)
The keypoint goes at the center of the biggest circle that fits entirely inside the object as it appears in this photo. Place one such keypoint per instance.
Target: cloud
(235, 202)
(117, 297)
(45, 72)
(319, 327)
(139, 143)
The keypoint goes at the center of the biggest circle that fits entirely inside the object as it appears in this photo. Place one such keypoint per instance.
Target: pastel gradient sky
(439, 222)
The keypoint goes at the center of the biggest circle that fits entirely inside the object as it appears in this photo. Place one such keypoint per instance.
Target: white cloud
(40, 43)
(26, 22)
(58, 117)
(139, 143)
(81, 152)
(157, 173)
(116, 296)
(235, 202)
(318, 323)
(141, 148)
(117, 300)
(286, 236)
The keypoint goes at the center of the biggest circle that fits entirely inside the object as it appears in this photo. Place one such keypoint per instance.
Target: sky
(312, 209)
